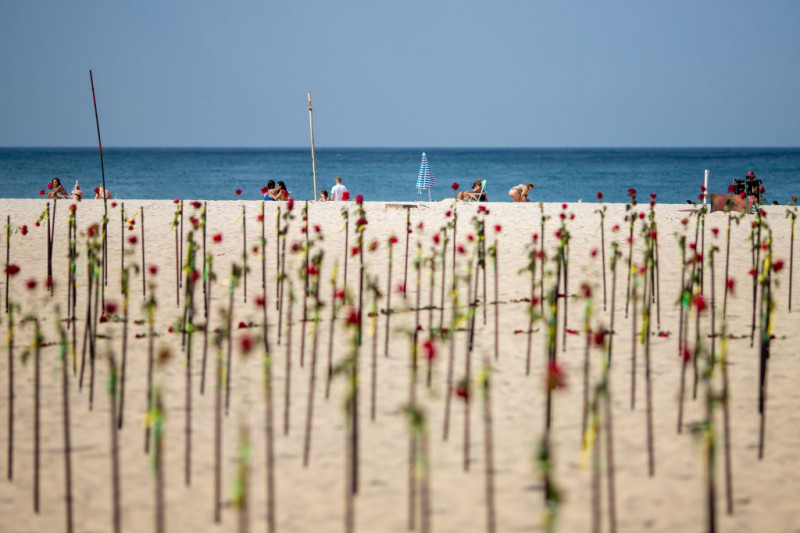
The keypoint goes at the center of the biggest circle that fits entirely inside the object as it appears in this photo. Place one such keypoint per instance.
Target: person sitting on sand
(267, 193)
(57, 191)
(520, 192)
(100, 193)
(323, 196)
(279, 193)
(77, 193)
(475, 193)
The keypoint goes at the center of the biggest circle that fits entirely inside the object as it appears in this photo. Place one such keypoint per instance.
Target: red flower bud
(599, 195)
(454, 186)
(430, 350)
(153, 269)
(238, 192)
(30, 284)
(555, 377)
(360, 199)
(217, 237)
(12, 270)
(245, 343)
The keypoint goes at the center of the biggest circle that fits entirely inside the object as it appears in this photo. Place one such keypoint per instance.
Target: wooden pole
(313, 157)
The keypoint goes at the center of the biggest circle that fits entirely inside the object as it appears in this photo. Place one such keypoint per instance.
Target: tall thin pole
(313, 158)
(103, 177)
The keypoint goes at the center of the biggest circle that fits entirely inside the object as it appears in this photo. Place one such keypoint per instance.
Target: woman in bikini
(475, 193)
(58, 190)
(279, 193)
(520, 192)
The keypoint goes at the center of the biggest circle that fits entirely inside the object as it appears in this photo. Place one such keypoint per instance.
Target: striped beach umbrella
(425, 179)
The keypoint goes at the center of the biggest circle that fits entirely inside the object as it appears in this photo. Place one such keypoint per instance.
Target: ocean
(390, 174)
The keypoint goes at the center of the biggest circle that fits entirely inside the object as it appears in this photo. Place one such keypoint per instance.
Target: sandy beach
(312, 497)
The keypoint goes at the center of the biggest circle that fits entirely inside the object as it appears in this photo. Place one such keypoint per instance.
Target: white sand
(312, 498)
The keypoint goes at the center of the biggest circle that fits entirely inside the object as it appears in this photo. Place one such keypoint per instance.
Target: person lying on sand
(520, 192)
(57, 191)
(474, 193)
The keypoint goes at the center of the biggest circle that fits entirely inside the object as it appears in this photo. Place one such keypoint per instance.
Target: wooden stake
(313, 158)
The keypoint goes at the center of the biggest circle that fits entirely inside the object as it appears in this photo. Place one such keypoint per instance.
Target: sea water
(390, 174)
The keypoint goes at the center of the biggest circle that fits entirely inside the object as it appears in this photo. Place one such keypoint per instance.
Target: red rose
(260, 301)
(41, 193)
(197, 205)
(97, 190)
(430, 350)
(50, 185)
(30, 284)
(113, 204)
(153, 269)
(12, 270)
(132, 239)
(24, 230)
(360, 199)
(111, 307)
(730, 284)
(175, 201)
(242, 325)
(264, 190)
(353, 318)
(392, 240)
(345, 196)
(555, 376)
(498, 228)
(777, 266)
(599, 195)
(700, 303)
(454, 186)
(217, 237)
(245, 343)
(238, 192)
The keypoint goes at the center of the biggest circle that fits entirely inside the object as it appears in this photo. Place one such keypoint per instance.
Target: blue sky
(415, 73)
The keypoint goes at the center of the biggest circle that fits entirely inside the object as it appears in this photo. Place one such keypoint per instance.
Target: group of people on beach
(278, 192)
(478, 193)
(58, 192)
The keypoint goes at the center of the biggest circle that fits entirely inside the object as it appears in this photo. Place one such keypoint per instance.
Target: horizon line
(231, 147)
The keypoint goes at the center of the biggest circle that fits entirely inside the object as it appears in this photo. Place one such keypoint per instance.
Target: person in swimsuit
(101, 193)
(520, 192)
(475, 193)
(57, 191)
(279, 193)
(268, 194)
(77, 193)
(323, 196)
